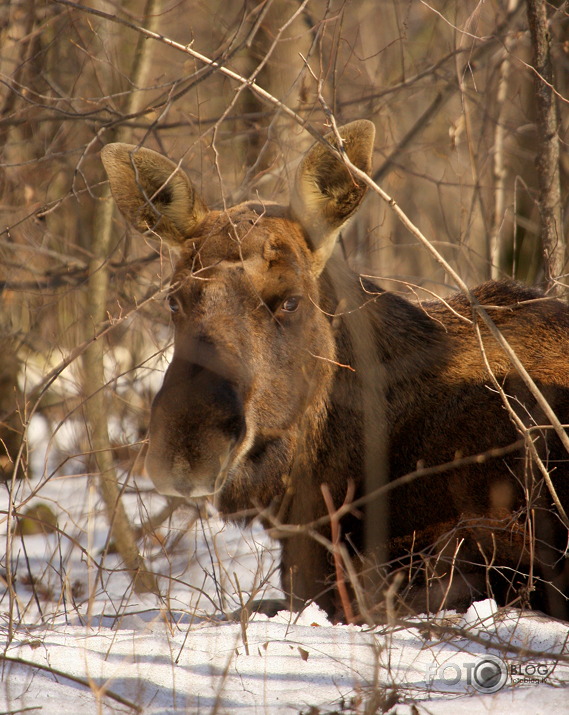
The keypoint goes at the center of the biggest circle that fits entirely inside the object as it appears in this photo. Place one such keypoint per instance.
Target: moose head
(254, 352)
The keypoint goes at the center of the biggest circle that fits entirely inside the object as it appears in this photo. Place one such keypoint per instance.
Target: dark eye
(290, 305)
(173, 304)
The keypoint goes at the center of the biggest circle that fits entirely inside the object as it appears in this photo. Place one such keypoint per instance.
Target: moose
(293, 377)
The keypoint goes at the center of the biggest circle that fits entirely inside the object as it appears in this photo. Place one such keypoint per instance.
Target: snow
(76, 639)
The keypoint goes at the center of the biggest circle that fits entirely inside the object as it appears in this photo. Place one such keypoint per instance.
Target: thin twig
(74, 678)
(336, 533)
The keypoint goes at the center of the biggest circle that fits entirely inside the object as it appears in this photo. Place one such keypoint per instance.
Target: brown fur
(264, 402)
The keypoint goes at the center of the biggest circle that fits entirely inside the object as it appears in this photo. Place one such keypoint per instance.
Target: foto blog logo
(487, 675)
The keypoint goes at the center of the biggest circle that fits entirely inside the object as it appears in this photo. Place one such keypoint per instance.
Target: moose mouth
(180, 480)
(173, 474)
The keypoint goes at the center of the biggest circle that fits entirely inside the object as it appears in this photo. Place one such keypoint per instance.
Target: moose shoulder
(290, 372)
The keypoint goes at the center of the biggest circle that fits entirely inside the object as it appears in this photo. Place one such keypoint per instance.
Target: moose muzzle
(197, 423)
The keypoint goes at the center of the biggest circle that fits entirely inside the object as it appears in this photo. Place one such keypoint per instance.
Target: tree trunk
(95, 386)
(547, 162)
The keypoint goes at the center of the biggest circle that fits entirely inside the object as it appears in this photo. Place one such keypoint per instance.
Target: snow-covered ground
(76, 639)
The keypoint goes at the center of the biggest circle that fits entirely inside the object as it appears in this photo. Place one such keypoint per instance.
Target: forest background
(471, 142)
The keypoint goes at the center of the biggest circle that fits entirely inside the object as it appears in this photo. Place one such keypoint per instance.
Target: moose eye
(173, 304)
(290, 305)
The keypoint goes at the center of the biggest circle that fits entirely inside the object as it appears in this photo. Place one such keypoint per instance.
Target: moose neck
(384, 348)
(384, 340)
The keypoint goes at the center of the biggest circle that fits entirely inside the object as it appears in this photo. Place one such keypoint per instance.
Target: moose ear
(152, 192)
(325, 194)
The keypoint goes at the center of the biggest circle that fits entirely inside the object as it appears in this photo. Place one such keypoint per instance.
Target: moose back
(290, 372)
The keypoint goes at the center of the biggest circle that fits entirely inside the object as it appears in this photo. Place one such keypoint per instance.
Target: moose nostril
(234, 427)
(220, 399)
